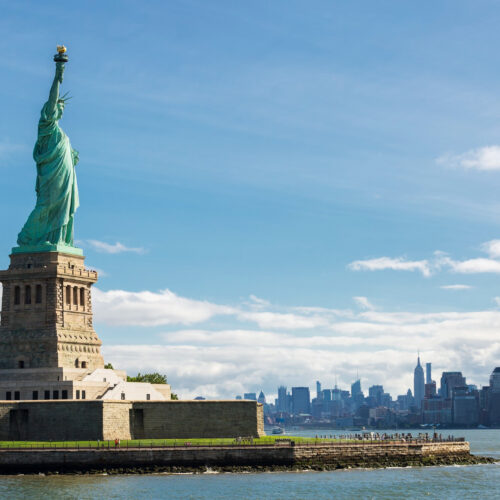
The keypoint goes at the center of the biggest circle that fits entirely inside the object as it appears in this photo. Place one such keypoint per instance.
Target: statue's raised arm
(54, 90)
(50, 225)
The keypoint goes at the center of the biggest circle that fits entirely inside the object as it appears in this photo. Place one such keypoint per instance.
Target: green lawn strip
(147, 443)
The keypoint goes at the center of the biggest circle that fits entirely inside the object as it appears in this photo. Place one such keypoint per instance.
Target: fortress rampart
(282, 456)
(76, 420)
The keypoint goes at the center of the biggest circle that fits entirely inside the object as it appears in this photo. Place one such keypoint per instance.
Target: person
(117, 443)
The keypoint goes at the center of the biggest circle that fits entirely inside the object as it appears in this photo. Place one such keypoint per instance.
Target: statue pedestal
(46, 319)
(48, 247)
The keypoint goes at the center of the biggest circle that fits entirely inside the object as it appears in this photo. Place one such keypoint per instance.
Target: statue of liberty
(50, 225)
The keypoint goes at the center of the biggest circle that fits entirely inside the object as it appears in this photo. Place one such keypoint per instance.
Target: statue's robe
(51, 221)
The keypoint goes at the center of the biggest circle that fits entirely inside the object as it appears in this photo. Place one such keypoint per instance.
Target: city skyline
(364, 383)
(270, 190)
(448, 401)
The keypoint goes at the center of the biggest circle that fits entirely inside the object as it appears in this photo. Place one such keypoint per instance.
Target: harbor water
(478, 481)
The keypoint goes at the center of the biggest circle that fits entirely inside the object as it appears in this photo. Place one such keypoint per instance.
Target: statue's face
(60, 108)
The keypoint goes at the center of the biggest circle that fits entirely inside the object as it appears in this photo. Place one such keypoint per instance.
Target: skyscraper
(376, 392)
(418, 384)
(356, 388)
(450, 380)
(318, 389)
(495, 380)
(301, 400)
(282, 400)
(428, 374)
(261, 398)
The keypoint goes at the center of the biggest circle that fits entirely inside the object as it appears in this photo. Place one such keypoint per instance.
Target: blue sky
(286, 170)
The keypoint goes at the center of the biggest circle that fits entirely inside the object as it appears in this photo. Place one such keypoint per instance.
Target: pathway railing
(320, 440)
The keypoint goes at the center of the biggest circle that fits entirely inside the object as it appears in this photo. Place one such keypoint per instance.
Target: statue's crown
(65, 97)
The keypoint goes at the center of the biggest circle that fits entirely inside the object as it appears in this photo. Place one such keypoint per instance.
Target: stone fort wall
(329, 456)
(79, 420)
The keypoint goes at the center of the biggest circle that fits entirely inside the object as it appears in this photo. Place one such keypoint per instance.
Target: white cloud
(471, 266)
(492, 248)
(290, 321)
(395, 264)
(364, 303)
(119, 307)
(103, 247)
(456, 287)
(485, 158)
(441, 261)
(294, 345)
(216, 363)
(258, 303)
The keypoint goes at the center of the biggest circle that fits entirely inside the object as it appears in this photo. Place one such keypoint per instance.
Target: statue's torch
(61, 55)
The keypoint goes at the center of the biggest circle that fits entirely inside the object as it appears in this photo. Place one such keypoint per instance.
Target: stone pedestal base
(47, 313)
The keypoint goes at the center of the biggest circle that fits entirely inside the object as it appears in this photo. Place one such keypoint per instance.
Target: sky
(272, 192)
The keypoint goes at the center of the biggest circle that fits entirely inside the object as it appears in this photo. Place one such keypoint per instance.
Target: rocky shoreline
(297, 467)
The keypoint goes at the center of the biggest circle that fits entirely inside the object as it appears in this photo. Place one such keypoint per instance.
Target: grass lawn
(147, 443)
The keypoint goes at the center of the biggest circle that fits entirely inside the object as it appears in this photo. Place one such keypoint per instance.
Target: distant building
(238, 397)
(356, 388)
(282, 403)
(250, 395)
(301, 400)
(450, 380)
(493, 399)
(495, 380)
(318, 389)
(261, 398)
(465, 406)
(358, 398)
(437, 410)
(326, 394)
(430, 389)
(418, 384)
(375, 392)
(428, 373)
(386, 400)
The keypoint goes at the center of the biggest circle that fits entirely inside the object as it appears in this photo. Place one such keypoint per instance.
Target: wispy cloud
(441, 261)
(456, 287)
(279, 320)
(486, 158)
(396, 264)
(470, 266)
(258, 303)
(364, 303)
(103, 247)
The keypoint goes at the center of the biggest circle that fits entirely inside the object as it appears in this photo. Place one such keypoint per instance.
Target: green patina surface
(50, 225)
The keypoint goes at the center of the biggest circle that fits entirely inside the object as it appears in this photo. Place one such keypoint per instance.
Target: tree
(152, 378)
(108, 366)
(174, 396)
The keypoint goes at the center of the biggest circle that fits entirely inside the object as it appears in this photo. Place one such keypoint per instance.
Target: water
(459, 482)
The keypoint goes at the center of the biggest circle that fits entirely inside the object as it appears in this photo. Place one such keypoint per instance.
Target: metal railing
(349, 439)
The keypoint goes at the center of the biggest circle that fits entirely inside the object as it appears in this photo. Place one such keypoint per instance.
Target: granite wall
(101, 419)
